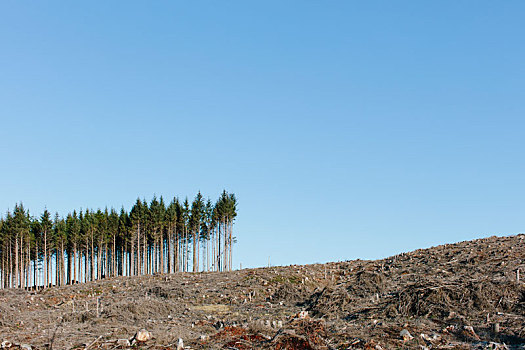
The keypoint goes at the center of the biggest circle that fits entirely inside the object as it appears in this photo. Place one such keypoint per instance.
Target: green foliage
(118, 238)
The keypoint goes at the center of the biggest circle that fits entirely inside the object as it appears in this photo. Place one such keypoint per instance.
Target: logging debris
(456, 296)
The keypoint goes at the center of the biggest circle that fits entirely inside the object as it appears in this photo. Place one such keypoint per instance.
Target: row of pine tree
(88, 245)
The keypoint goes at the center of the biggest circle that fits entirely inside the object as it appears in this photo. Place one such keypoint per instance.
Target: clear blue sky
(346, 129)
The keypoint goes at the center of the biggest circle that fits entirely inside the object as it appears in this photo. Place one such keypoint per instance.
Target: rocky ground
(457, 296)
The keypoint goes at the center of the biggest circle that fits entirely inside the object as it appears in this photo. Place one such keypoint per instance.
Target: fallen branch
(93, 343)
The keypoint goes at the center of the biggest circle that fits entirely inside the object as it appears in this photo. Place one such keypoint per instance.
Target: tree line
(88, 245)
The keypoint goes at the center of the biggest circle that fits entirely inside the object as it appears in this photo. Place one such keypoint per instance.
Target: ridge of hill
(466, 295)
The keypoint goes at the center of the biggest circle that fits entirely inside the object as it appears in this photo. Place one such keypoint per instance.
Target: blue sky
(346, 129)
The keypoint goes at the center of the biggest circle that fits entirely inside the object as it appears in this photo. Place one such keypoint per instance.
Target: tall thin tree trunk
(99, 260)
(113, 257)
(28, 264)
(169, 249)
(168, 252)
(79, 265)
(138, 250)
(16, 261)
(57, 266)
(86, 262)
(63, 263)
(144, 256)
(49, 271)
(132, 257)
(35, 266)
(11, 284)
(198, 250)
(187, 251)
(69, 271)
(3, 275)
(128, 262)
(74, 263)
(214, 249)
(161, 251)
(176, 252)
(195, 247)
(106, 260)
(221, 249)
(21, 264)
(45, 259)
(92, 258)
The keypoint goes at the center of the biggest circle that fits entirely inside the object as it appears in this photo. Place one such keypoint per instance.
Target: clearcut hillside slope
(454, 296)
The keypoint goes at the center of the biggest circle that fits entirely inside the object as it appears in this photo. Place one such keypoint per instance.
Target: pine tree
(59, 238)
(126, 241)
(185, 222)
(156, 219)
(74, 240)
(91, 245)
(137, 224)
(197, 209)
(37, 239)
(206, 229)
(46, 226)
(171, 227)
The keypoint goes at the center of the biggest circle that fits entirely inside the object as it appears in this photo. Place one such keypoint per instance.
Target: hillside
(456, 296)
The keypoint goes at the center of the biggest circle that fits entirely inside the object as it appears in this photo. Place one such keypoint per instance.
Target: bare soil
(456, 296)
